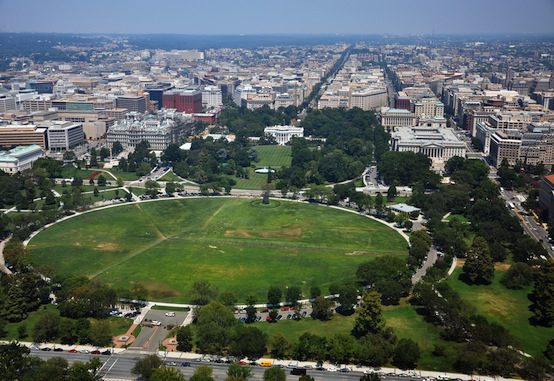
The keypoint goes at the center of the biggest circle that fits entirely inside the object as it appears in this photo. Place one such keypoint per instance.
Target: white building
(19, 158)
(429, 108)
(211, 97)
(64, 135)
(439, 144)
(394, 117)
(283, 134)
(133, 130)
(7, 103)
(369, 99)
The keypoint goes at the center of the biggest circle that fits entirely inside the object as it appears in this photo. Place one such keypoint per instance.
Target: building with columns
(394, 117)
(439, 144)
(283, 134)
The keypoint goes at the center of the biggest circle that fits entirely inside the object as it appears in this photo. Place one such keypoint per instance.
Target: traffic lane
(257, 371)
(160, 315)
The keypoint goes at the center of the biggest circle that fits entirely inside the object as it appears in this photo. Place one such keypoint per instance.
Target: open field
(403, 319)
(509, 308)
(268, 156)
(238, 245)
(118, 325)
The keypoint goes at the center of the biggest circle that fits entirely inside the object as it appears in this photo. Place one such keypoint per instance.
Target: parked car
(58, 350)
(73, 350)
(170, 314)
(185, 364)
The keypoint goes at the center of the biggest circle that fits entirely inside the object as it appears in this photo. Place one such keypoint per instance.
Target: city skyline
(253, 18)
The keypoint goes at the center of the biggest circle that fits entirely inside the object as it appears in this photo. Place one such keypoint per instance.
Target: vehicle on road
(170, 314)
(156, 323)
(266, 363)
(72, 350)
(185, 364)
(298, 372)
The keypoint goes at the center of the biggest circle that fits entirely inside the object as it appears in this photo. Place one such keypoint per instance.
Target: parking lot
(155, 327)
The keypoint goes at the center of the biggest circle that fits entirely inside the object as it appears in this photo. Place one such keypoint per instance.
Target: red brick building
(188, 101)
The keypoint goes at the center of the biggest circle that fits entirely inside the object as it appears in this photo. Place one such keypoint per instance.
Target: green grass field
(268, 156)
(170, 176)
(509, 308)
(403, 319)
(118, 325)
(238, 245)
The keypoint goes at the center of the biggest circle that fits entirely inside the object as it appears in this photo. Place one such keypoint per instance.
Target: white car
(156, 322)
(170, 314)
(331, 369)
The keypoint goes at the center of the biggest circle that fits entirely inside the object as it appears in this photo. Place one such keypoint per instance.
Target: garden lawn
(69, 171)
(509, 308)
(123, 175)
(170, 176)
(238, 245)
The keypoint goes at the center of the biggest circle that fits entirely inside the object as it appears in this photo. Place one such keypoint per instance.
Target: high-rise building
(157, 91)
(7, 103)
(42, 87)
(133, 103)
(63, 136)
(211, 97)
(188, 100)
(16, 134)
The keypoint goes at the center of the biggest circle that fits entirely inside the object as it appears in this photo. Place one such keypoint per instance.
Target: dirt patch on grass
(107, 246)
(501, 266)
(291, 232)
(356, 252)
(159, 290)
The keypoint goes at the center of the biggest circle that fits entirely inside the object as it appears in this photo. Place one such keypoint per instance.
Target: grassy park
(238, 245)
(509, 308)
(268, 156)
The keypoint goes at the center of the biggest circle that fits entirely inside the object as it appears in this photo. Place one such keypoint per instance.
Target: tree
(248, 341)
(274, 295)
(518, 276)
(96, 192)
(166, 374)
(250, 310)
(280, 346)
(311, 347)
(237, 372)
(214, 327)
(202, 373)
(275, 374)
(314, 292)
(370, 318)
(14, 361)
(202, 292)
(321, 308)
(145, 366)
(116, 148)
(306, 377)
(294, 293)
(47, 327)
(391, 193)
(478, 267)
(542, 295)
(406, 354)
(348, 297)
(101, 181)
(184, 338)
(152, 188)
(104, 153)
(170, 187)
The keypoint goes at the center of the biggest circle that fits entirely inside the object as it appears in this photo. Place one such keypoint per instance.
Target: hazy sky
(278, 17)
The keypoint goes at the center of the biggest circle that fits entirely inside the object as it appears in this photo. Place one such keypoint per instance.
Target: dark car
(96, 352)
(298, 371)
(185, 364)
(46, 349)
(107, 352)
(58, 350)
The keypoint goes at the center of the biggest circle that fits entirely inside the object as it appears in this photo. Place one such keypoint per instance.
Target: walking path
(3, 267)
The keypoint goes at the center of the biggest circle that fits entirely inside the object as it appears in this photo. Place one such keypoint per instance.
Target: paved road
(118, 367)
(530, 225)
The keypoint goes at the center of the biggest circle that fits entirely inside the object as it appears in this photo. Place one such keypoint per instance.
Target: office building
(158, 132)
(369, 99)
(283, 134)
(211, 97)
(42, 87)
(156, 93)
(14, 135)
(429, 108)
(7, 103)
(188, 101)
(133, 103)
(19, 158)
(63, 136)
